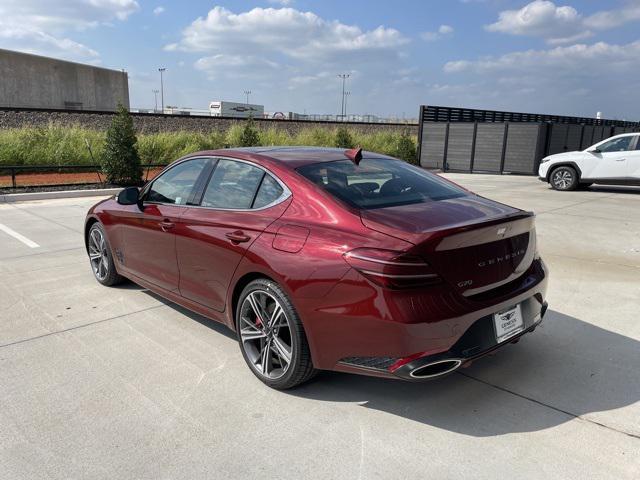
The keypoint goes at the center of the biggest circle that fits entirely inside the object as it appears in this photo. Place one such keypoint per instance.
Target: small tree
(343, 138)
(250, 136)
(406, 149)
(120, 160)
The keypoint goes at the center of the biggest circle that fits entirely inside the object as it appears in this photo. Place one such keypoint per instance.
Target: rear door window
(378, 183)
(269, 191)
(233, 185)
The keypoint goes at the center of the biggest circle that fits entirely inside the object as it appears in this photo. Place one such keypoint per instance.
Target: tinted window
(175, 185)
(377, 183)
(269, 192)
(232, 185)
(637, 142)
(616, 145)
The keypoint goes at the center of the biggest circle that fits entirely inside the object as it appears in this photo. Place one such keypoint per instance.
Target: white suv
(614, 161)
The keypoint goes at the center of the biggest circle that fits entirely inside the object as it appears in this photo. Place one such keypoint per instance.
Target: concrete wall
(151, 123)
(32, 81)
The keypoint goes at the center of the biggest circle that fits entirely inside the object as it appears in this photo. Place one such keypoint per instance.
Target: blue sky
(566, 57)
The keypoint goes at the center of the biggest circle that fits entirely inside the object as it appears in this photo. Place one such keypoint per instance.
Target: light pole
(247, 93)
(346, 97)
(162, 70)
(344, 77)
(155, 94)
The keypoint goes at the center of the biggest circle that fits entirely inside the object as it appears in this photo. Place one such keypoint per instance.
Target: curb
(25, 197)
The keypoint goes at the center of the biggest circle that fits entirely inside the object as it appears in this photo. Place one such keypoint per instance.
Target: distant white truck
(233, 109)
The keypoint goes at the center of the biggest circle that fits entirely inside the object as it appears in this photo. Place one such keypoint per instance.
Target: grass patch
(55, 145)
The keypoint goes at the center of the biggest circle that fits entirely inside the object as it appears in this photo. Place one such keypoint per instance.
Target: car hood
(566, 155)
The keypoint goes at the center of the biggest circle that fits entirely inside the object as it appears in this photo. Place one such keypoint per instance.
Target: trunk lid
(473, 243)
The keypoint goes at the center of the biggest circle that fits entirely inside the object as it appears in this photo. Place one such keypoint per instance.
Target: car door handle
(166, 225)
(238, 236)
(620, 159)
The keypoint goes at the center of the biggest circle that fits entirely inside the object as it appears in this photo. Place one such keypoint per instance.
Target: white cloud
(443, 30)
(541, 18)
(242, 66)
(158, 10)
(578, 79)
(287, 32)
(30, 40)
(613, 18)
(577, 59)
(42, 27)
(61, 15)
(561, 24)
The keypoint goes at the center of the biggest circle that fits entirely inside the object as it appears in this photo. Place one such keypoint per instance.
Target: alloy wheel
(265, 334)
(98, 254)
(562, 179)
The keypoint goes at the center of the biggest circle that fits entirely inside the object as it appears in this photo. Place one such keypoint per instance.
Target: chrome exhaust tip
(435, 369)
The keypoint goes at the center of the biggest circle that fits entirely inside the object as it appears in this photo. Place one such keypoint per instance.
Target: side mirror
(129, 196)
(596, 150)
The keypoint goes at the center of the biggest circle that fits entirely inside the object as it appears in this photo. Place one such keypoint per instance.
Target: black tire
(104, 268)
(300, 367)
(564, 178)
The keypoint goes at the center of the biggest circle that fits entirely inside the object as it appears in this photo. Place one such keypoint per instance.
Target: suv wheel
(271, 336)
(564, 178)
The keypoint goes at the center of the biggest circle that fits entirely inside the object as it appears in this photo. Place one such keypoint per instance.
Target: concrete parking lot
(102, 382)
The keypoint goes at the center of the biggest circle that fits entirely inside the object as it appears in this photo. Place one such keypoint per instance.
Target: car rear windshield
(379, 183)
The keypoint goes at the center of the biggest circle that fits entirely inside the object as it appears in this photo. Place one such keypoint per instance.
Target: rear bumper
(477, 342)
(374, 330)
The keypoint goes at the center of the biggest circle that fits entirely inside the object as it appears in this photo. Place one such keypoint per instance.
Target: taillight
(392, 269)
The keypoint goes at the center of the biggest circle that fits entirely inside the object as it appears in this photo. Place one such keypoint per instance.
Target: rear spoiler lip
(482, 232)
(484, 222)
(417, 238)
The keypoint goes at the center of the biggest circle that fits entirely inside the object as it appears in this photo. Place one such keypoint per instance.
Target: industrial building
(32, 81)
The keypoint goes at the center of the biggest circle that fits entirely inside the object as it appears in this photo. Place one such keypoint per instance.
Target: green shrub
(406, 149)
(120, 160)
(343, 138)
(250, 136)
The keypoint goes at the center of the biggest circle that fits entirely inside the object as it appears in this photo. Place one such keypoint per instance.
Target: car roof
(292, 157)
(629, 134)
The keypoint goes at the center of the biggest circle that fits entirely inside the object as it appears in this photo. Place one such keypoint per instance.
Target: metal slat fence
(467, 140)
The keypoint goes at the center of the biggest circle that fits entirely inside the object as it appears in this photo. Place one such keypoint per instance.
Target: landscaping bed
(54, 181)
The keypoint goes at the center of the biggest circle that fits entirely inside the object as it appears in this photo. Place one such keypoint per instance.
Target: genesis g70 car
(321, 259)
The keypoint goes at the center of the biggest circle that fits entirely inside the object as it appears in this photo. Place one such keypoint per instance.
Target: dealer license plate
(508, 323)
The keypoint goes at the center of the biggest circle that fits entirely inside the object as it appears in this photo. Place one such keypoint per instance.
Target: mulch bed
(54, 181)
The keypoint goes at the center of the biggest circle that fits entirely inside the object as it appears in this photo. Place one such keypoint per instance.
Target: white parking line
(17, 236)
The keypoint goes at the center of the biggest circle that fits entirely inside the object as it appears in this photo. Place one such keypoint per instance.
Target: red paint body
(300, 243)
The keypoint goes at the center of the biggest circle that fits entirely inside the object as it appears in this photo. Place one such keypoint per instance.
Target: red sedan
(324, 259)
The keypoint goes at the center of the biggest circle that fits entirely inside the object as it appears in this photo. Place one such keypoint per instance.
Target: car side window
(637, 147)
(175, 185)
(269, 191)
(233, 185)
(621, 144)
